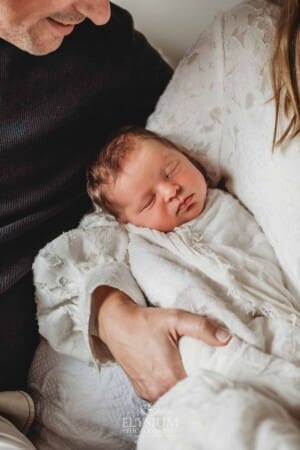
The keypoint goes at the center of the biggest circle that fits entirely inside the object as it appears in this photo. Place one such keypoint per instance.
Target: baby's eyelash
(149, 202)
(171, 171)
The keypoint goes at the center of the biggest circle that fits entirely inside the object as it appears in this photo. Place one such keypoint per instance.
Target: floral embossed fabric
(219, 105)
(67, 271)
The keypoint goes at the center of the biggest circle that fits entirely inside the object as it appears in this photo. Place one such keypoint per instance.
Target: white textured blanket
(221, 265)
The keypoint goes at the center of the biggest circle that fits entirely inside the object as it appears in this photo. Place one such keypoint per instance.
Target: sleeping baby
(197, 248)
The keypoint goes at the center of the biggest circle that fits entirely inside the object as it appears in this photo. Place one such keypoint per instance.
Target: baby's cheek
(164, 223)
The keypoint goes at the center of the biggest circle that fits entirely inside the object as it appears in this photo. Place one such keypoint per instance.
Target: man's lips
(63, 28)
(185, 203)
(59, 28)
(67, 23)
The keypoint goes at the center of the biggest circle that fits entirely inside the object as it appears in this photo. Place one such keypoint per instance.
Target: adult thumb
(200, 327)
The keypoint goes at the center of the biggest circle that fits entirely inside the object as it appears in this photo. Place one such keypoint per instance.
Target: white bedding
(78, 408)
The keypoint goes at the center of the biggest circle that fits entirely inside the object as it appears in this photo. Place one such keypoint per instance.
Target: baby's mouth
(185, 203)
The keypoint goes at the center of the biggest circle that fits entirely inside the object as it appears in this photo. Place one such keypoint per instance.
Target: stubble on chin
(43, 46)
(36, 41)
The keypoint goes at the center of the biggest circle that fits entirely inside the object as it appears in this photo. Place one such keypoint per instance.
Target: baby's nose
(169, 190)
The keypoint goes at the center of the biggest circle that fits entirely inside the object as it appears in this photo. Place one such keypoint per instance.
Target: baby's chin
(165, 226)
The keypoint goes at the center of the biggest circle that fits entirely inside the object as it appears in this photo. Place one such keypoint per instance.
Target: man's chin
(42, 50)
(37, 47)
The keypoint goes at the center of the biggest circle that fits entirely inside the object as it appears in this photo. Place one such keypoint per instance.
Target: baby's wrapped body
(245, 395)
(221, 265)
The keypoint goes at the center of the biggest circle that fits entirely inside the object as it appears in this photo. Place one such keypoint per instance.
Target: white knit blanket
(221, 265)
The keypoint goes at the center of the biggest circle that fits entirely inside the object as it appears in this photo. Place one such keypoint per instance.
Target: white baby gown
(221, 265)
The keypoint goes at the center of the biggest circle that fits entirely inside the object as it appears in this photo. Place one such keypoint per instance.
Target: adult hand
(144, 341)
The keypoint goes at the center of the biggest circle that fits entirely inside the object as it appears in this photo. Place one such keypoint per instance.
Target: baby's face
(158, 188)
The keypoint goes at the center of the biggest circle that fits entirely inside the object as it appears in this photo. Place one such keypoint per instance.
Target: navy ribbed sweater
(55, 112)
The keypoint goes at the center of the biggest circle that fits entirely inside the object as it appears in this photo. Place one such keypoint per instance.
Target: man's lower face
(40, 26)
(43, 37)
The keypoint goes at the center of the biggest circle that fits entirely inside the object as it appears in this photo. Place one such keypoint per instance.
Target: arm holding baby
(68, 274)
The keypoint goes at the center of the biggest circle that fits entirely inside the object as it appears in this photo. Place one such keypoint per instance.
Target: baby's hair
(104, 169)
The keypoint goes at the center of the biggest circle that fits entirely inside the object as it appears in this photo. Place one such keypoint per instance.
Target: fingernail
(222, 334)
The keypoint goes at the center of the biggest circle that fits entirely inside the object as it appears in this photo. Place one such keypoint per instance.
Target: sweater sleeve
(143, 73)
(67, 271)
(150, 76)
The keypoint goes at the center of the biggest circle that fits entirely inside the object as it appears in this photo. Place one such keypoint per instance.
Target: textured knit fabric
(78, 408)
(18, 334)
(55, 112)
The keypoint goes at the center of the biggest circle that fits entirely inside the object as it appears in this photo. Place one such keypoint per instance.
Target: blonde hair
(285, 69)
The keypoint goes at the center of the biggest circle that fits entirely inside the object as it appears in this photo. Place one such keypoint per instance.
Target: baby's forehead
(140, 151)
(146, 147)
